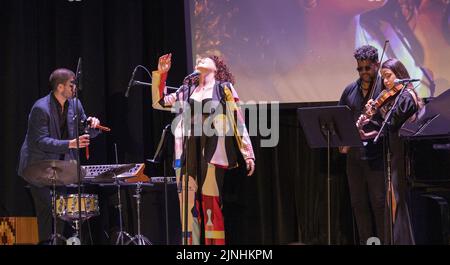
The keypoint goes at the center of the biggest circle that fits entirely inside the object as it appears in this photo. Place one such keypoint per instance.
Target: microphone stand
(78, 82)
(135, 82)
(186, 176)
(386, 141)
(139, 83)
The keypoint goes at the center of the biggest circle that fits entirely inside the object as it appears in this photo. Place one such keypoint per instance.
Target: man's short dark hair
(366, 52)
(60, 76)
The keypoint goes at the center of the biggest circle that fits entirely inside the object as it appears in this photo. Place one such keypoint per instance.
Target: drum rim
(86, 213)
(71, 195)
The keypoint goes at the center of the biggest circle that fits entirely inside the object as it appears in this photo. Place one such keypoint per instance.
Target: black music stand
(326, 127)
(433, 120)
(158, 158)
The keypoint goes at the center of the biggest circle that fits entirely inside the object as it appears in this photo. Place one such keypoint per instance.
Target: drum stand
(139, 239)
(75, 239)
(121, 234)
(76, 222)
(55, 236)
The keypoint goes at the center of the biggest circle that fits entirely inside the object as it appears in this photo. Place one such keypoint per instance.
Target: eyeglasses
(366, 68)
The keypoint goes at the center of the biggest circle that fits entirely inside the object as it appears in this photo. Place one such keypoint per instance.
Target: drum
(67, 206)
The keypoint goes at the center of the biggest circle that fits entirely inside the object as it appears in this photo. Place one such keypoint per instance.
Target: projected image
(419, 34)
(302, 50)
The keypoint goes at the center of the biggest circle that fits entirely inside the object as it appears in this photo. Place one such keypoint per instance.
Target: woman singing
(209, 134)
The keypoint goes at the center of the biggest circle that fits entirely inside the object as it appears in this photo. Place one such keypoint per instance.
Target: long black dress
(406, 107)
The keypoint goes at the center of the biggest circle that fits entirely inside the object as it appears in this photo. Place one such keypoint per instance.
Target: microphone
(78, 76)
(131, 82)
(193, 74)
(405, 81)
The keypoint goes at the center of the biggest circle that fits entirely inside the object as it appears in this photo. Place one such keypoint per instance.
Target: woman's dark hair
(396, 67)
(223, 73)
(399, 69)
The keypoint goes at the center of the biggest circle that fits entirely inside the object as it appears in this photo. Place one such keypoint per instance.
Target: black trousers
(368, 196)
(43, 208)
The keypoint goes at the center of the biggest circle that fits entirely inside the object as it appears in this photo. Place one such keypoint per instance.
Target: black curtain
(284, 202)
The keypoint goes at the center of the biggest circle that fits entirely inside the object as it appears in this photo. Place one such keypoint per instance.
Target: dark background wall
(112, 37)
(284, 202)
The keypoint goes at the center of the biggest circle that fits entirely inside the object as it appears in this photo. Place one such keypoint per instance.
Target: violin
(372, 108)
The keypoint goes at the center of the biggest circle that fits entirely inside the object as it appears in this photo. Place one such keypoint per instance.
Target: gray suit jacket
(43, 134)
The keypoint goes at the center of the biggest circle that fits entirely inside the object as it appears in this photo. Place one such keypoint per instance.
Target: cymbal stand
(139, 239)
(55, 236)
(121, 234)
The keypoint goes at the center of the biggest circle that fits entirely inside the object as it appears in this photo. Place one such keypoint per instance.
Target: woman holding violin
(407, 103)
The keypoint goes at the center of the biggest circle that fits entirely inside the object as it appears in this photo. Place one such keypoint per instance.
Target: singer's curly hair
(223, 72)
(366, 52)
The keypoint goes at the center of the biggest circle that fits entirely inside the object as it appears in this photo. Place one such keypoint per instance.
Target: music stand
(433, 120)
(158, 158)
(326, 127)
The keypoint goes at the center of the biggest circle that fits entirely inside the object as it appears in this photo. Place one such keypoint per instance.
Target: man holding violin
(365, 165)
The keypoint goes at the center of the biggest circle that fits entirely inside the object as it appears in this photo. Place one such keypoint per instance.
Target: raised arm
(160, 99)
